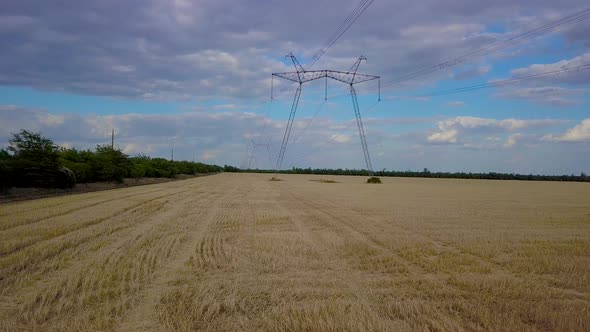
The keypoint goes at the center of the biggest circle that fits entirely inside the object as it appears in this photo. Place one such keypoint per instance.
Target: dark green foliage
(373, 179)
(81, 162)
(33, 160)
(65, 178)
(110, 164)
(4, 155)
(5, 172)
(228, 168)
(107, 164)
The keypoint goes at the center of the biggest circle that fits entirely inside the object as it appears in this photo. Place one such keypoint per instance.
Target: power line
(348, 22)
(560, 24)
(500, 83)
(344, 26)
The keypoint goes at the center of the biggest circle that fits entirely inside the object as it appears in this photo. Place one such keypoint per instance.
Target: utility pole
(113, 139)
(172, 155)
(349, 77)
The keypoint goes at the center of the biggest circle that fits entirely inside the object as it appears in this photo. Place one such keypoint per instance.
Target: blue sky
(196, 77)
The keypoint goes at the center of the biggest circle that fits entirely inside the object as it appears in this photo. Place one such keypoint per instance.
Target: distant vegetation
(324, 180)
(32, 160)
(428, 174)
(373, 179)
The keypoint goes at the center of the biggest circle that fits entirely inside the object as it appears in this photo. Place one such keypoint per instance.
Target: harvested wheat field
(238, 252)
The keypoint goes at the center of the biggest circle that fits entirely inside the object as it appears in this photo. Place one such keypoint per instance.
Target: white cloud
(573, 77)
(340, 138)
(223, 138)
(445, 136)
(454, 130)
(512, 140)
(470, 122)
(203, 50)
(579, 133)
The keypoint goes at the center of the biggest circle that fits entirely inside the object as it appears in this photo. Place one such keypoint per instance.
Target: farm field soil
(238, 252)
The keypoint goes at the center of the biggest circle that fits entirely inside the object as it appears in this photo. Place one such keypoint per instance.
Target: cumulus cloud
(220, 137)
(579, 133)
(162, 50)
(574, 77)
(445, 136)
(223, 137)
(454, 130)
(188, 132)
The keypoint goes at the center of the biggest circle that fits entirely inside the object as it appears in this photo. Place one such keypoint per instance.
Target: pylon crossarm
(307, 76)
(301, 77)
(294, 77)
(349, 78)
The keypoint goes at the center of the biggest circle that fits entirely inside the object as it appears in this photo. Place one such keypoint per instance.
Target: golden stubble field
(238, 252)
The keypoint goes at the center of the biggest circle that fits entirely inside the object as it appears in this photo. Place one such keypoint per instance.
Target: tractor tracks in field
(489, 265)
(342, 218)
(339, 221)
(32, 220)
(95, 240)
(144, 316)
(59, 231)
(151, 234)
(339, 267)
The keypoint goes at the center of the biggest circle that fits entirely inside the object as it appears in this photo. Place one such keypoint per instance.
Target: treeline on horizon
(32, 160)
(425, 173)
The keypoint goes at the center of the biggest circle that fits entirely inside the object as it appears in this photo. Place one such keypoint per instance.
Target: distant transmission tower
(350, 77)
(252, 155)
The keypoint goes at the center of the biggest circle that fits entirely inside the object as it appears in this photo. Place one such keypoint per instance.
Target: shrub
(374, 179)
(34, 161)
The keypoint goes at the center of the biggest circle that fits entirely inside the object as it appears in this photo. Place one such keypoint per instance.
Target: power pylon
(252, 156)
(350, 77)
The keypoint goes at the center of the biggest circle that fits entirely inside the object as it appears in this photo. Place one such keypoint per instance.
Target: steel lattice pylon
(252, 154)
(350, 77)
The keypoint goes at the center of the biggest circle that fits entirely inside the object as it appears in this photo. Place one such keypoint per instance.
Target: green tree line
(425, 173)
(32, 160)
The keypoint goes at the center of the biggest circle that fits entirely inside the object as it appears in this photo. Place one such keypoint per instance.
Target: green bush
(32, 160)
(373, 179)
